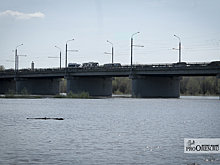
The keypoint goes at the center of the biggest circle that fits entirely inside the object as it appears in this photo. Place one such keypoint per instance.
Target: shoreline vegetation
(26, 95)
(78, 96)
(121, 87)
(82, 95)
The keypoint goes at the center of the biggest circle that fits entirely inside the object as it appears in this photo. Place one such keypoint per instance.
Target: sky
(40, 25)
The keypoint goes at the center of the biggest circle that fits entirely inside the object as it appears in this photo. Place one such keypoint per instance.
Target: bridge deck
(201, 69)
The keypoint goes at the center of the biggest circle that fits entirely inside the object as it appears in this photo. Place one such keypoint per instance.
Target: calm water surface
(107, 131)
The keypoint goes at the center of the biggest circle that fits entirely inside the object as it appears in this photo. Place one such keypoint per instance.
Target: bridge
(161, 80)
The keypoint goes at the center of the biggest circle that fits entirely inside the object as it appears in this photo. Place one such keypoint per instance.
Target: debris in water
(46, 118)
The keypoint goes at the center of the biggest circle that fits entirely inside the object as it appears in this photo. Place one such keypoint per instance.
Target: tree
(183, 84)
(121, 85)
(63, 85)
(192, 86)
(2, 67)
(203, 86)
(199, 85)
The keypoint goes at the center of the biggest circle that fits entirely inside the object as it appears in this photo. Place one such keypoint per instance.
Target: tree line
(199, 85)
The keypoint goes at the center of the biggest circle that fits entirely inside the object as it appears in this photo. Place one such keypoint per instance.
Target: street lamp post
(132, 48)
(179, 48)
(60, 55)
(16, 58)
(66, 56)
(112, 49)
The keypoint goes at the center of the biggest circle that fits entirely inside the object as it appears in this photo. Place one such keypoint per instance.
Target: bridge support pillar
(96, 86)
(38, 86)
(155, 87)
(7, 84)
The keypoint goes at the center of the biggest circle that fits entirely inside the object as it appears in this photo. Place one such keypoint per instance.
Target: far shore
(64, 96)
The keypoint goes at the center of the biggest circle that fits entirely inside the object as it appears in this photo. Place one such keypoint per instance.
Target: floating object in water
(46, 118)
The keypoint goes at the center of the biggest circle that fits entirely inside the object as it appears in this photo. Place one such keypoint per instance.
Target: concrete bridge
(162, 80)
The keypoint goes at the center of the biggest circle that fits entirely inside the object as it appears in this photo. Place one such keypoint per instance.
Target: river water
(106, 131)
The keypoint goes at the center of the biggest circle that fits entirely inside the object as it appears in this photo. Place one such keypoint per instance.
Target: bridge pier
(155, 87)
(38, 86)
(96, 86)
(7, 84)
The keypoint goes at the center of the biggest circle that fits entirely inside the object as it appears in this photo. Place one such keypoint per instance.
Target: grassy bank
(26, 95)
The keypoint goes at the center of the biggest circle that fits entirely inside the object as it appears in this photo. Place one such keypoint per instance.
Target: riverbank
(82, 95)
(212, 95)
(51, 96)
(92, 97)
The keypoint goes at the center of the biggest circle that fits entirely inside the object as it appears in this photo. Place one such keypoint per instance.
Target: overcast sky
(43, 24)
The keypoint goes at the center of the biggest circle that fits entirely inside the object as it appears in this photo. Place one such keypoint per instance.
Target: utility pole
(16, 59)
(112, 50)
(60, 55)
(112, 53)
(60, 59)
(66, 60)
(180, 51)
(66, 56)
(179, 48)
(131, 51)
(132, 48)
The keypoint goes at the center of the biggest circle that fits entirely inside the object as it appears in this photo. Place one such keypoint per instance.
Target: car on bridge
(215, 63)
(73, 65)
(90, 64)
(112, 65)
(179, 64)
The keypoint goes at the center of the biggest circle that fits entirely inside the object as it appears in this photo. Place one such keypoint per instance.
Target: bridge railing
(112, 68)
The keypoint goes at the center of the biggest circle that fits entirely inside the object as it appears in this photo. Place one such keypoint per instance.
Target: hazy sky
(43, 24)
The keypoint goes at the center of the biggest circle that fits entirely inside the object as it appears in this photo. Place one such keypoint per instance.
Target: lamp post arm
(69, 40)
(134, 34)
(18, 46)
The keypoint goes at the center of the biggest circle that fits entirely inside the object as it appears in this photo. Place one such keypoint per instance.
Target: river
(107, 131)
